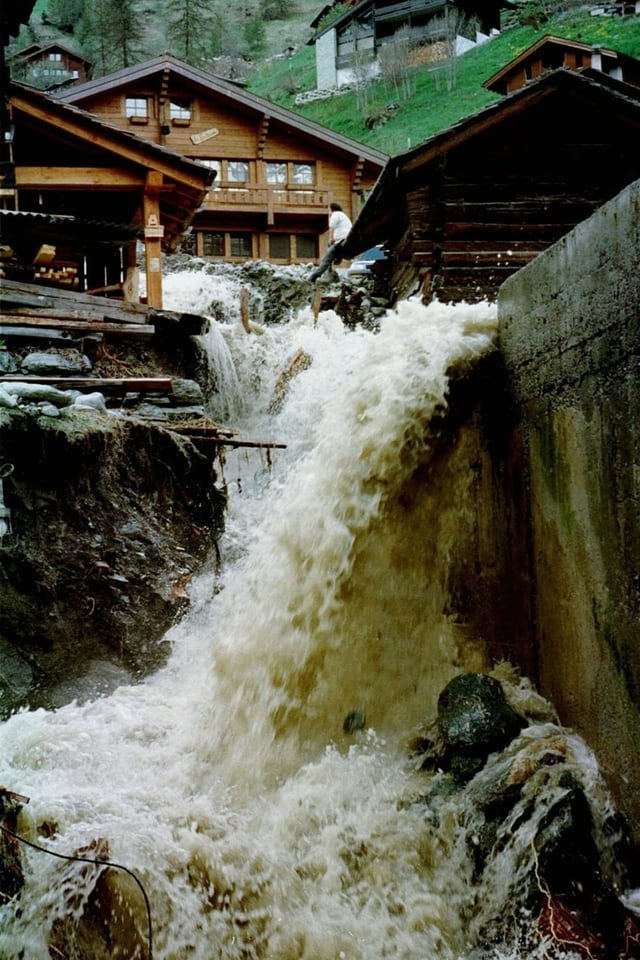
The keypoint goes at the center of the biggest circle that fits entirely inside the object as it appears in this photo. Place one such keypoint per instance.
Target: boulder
(53, 364)
(474, 720)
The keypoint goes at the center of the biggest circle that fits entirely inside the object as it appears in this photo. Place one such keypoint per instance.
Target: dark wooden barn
(473, 204)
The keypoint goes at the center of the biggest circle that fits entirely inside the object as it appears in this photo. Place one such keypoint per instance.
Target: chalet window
(180, 112)
(279, 246)
(240, 245)
(55, 56)
(306, 246)
(212, 244)
(137, 109)
(276, 172)
(238, 171)
(304, 173)
(212, 165)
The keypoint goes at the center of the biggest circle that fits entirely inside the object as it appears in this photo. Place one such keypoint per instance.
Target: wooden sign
(204, 135)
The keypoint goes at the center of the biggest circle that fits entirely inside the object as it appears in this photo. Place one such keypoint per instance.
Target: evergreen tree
(111, 35)
(190, 29)
(64, 14)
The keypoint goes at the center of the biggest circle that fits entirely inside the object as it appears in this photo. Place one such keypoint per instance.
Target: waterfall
(259, 824)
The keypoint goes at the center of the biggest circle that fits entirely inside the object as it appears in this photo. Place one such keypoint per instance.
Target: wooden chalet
(473, 204)
(78, 194)
(48, 66)
(359, 33)
(276, 172)
(550, 53)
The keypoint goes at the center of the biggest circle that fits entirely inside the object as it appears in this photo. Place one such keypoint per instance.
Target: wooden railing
(271, 199)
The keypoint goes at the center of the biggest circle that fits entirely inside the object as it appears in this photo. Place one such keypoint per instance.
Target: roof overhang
(381, 219)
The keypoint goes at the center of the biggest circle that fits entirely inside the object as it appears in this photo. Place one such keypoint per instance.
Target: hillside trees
(111, 34)
(64, 14)
(190, 29)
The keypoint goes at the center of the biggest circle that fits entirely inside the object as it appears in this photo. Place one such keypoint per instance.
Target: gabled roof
(380, 220)
(554, 46)
(187, 180)
(329, 7)
(217, 87)
(37, 50)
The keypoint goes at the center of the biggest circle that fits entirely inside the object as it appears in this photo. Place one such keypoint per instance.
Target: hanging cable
(106, 863)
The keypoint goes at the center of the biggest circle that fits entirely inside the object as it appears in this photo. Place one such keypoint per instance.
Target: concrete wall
(326, 74)
(570, 338)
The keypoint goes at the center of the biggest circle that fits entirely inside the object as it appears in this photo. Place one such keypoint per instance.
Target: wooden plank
(35, 291)
(103, 384)
(123, 331)
(12, 305)
(36, 333)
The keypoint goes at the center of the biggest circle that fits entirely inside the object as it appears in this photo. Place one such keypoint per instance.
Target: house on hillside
(276, 172)
(551, 52)
(78, 194)
(49, 66)
(353, 44)
(473, 204)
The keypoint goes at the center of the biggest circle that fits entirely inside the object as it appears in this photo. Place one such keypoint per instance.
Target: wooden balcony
(269, 199)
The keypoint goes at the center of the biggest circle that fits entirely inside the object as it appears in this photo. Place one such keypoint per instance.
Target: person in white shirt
(339, 227)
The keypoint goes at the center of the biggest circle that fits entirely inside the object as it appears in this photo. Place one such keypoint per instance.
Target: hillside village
(163, 158)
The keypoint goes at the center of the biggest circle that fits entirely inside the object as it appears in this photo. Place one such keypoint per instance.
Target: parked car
(368, 262)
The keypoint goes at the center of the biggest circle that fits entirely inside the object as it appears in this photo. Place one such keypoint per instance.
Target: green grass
(432, 108)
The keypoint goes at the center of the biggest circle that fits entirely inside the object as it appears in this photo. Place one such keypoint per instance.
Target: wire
(107, 863)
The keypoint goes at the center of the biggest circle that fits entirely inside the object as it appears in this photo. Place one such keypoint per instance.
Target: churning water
(257, 826)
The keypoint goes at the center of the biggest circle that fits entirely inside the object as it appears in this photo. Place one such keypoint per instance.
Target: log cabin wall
(275, 174)
(486, 197)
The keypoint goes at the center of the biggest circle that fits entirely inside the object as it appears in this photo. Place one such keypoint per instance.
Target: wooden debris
(244, 309)
(122, 331)
(33, 299)
(317, 300)
(101, 384)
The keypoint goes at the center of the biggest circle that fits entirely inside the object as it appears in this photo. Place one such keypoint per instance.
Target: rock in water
(474, 720)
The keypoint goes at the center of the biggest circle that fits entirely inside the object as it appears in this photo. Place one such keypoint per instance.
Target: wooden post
(317, 300)
(131, 286)
(153, 233)
(244, 309)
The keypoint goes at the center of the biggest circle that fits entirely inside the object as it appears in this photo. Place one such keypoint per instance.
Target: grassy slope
(432, 108)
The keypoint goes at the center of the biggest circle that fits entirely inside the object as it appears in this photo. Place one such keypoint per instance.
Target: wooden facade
(78, 194)
(276, 172)
(550, 53)
(49, 66)
(472, 205)
(353, 41)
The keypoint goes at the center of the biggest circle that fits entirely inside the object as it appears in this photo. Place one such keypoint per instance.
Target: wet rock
(11, 876)
(91, 401)
(54, 364)
(78, 585)
(186, 392)
(354, 720)
(474, 720)
(38, 393)
(7, 363)
(103, 909)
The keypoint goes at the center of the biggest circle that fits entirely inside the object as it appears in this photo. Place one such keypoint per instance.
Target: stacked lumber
(31, 309)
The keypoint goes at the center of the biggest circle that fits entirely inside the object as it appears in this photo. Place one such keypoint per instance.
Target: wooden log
(101, 384)
(36, 333)
(317, 300)
(121, 331)
(234, 442)
(244, 309)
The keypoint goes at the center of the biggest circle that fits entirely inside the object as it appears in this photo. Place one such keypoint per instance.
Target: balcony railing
(271, 199)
